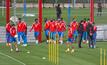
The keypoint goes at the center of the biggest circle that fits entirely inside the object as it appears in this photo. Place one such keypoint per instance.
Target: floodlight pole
(91, 10)
(7, 11)
(25, 9)
(3, 3)
(14, 6)
(69, 10)
(40, 18)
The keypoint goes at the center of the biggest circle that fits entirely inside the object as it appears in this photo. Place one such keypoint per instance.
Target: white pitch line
(12, 58)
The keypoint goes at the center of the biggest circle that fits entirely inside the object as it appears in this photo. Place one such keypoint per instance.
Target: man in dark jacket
(99, 9)
(80, 32)
(90, 31)
(58, 11)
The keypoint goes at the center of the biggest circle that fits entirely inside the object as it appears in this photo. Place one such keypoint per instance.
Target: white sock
(36, 41)
(61, 41)
(68, 49)
(18, 43)
(87, 41)
(47, 41)
(11, 49)
(54, 41)
(17, 49)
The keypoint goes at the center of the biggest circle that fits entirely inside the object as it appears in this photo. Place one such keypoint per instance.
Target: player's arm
(26, 29)
(32, 27)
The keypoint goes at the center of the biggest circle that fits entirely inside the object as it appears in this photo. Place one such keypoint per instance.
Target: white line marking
(12, 58)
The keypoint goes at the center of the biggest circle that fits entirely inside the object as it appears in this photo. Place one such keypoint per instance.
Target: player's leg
(80, 40)
(94, 39)
(11, 41)
(24, 37)
(47, 35)
(86, 37)
(75, 35)
(7, 39)
(36, 34)
(100, 11)
(59, 34)
(69, 45)
(61, 37)
(15, 43)
(91, 42)
(19, 35)
(54, 36)
(83, 37)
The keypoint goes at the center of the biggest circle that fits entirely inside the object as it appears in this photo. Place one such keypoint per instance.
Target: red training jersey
(95, 28)
(8, 26)
(53, 26)
(12, 31)
(70, 32)
(36, 27)
(74, 25)
(47, 25)
(61, 27)
(21, 27)
(84, 26)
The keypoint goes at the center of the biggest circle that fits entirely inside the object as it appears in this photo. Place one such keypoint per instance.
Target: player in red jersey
(36, 28)
(70, 40)
(61, 27)
(53, 29)
(46, 28)
(8, 26)
(22, 31)
(84, 38)
(13, 36)
(94, 35)
(74, 26)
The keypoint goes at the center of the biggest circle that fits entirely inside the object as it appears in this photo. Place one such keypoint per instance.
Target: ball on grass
(28, 52)
(43, 58)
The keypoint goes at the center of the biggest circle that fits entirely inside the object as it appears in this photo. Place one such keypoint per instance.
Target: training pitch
(38, 55)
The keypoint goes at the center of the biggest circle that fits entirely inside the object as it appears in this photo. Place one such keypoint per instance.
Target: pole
(91, 10)
(40, 19)
(25, 9)
(3, 8)
(7, 11)
(14, 8)
(69, 11)
(74, 3)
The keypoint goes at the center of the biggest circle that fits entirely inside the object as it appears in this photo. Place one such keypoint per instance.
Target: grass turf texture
(50, 13)
(83, 56)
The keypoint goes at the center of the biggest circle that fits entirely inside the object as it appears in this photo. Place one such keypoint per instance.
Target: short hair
(58, 5)
(36, 19)
(13, 24)
(19, 19)
(61, 18)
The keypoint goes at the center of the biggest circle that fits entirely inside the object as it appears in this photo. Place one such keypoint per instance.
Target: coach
(58, 11)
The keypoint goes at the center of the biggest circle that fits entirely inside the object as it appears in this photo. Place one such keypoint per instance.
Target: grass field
(83, 56)
(50, 13)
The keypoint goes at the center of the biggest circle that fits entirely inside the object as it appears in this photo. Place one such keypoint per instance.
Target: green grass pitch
(50, 13)
(84, 56)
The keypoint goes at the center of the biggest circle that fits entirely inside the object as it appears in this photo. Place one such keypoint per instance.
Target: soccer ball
(43, 58)
(14, 19)
(28, 52)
